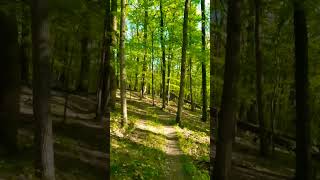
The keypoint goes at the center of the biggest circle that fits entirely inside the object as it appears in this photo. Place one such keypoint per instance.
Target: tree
(170, 58)
(41, 90)
(303, 149)
(183, 61)
(190, 80)
(152, 68)
(212, 93)
(163, 49)
(104, 92)
(122, 63)
(204, 68)
(264, 140)
(226, 129)
(137, 70)
(114, 9)
(85, 60)
(10, 81)
(145, 36)
(24, 44)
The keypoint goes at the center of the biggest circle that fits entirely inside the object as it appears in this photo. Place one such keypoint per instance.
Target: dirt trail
(174, 154)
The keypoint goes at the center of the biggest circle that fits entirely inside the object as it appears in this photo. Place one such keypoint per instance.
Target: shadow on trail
(144, 132)
(91, 137)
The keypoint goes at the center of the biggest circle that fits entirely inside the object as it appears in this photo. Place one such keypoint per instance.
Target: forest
(159, 89)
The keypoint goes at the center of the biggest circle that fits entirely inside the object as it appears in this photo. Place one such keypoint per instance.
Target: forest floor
(152, 146)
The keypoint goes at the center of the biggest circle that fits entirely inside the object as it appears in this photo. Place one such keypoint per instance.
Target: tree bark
(103, 93)
(169, 75)
(64, 59)
(24, 45)
(114, 9)
(85, 60)
(190, 84)
(136, 82)
(122, 64)
(303, 150)
(145, 36)
(204, 68)
(163, 55)
(10, 81)
(66, 86)
(152, 68)
(227, 122)
(213, 111)
(183, 61)
(41, 90)
(264, 140)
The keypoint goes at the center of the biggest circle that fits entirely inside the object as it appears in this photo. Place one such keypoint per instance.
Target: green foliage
(192, 171)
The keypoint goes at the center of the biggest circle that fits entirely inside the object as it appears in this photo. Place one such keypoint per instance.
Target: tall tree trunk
(105, 66)
(10, 81)
(24, 45)
(41, 90)
(122, 64)
(190, 75)
(264, 140)
(104, 88)
(66, 86)
(213, 110)
(183, 60)
(204, 68)
(64, 59)
(227, 122)
(114, 8)
(190, 83)
(136, 82)
(152, 67)
(163, 49)
(144, 66)
(303, 150)
(169, 75)
(85, 60)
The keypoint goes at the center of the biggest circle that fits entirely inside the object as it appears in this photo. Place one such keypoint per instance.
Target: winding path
(174, 154)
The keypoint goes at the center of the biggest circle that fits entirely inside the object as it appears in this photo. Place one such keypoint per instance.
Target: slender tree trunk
(85, 60)
(122, 63)
(41, 90)
(105, 68)
(104, 89)
(190, 75)
(136, 82)
(66, 88)
(10, 81)
(64, 69)
(183, 60)
(152, 59)
(213, 110)
(264, 140)
(163, 55)
(227, 122)
(114, 8)
(190, 84)
(144, 66)
(137, 70)
(24, 45)
(204, 68)
(169, 75)
(303, 150)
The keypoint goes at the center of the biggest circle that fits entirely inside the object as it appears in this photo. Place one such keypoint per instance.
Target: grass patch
(138, 152)
(193, 171)
(195, 146)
